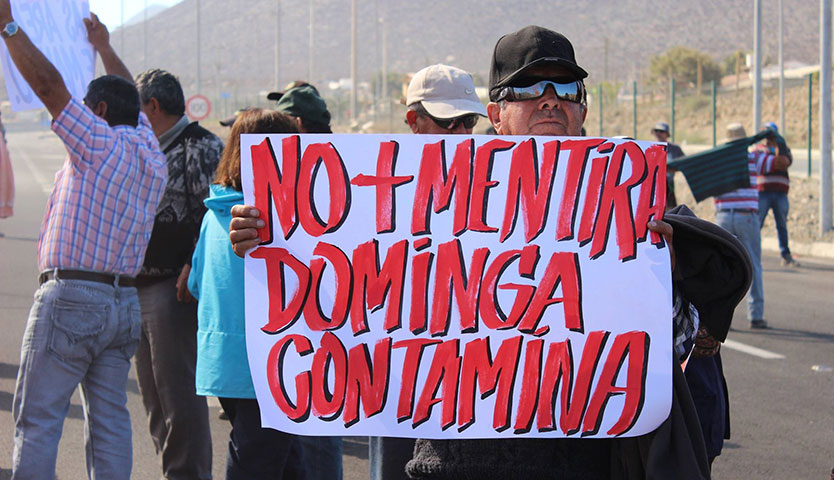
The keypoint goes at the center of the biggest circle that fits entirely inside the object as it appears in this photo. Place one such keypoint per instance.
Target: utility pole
(386, 99)
(310, 45)
(277, 60)
(378, 58)
(825, 116)
(782, 68)
(122, 31)
(199, 86)
(353, 61)
(757, 77)
(699, 76)
(145, 37)
(605, 60)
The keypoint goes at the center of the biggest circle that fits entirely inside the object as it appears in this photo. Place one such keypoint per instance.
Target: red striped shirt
(747, 198)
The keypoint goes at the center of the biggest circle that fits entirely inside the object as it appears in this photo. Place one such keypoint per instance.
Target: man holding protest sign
(167, 355)
(536, 87)
(85, 324)
(537, 90)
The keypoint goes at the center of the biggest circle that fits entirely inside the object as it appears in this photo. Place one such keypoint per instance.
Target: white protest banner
(57, 29)
(458, 286)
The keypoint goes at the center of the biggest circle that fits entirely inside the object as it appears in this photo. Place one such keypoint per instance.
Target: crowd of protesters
(151, 272)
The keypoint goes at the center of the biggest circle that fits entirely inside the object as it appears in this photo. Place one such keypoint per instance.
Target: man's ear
(494, 115)
(101, 110)
(153, 105)
(411, 120)
(152, 108)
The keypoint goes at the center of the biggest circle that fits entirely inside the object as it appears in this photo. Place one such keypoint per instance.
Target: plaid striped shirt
(101, 210)
(775, 181)
(747, 198)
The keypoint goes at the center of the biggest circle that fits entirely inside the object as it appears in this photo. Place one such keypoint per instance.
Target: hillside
(237, 51)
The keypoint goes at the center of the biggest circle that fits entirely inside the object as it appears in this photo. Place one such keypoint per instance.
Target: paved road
(782, 410)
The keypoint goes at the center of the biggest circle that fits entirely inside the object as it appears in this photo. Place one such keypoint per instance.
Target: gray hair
(164, 87)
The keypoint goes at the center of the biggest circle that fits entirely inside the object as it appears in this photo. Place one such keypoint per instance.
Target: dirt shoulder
(803, 218)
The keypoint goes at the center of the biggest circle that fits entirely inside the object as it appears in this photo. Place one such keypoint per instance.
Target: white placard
(458, 286)
(56, 27)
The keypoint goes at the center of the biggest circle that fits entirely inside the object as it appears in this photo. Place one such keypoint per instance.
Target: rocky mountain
(238, 37)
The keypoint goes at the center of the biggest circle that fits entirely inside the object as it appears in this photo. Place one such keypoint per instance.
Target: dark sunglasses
(468, 121)
(571, 92)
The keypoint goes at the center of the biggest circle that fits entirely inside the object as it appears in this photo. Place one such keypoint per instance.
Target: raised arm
(99, 37)
(35, 68)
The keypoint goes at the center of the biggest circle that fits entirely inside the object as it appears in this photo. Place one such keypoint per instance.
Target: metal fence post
(810, 117)
(713, 113)
(600, 109)
(634, 107)
(672, 113)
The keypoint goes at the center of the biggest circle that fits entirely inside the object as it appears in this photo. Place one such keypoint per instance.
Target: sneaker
(758, 324)
(788, 261)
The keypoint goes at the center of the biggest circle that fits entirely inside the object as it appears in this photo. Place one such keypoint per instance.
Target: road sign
(198, 107)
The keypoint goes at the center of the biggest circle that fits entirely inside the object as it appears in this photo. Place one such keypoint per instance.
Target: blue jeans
(78, 332)
(745, 226)
(778, 202)
(322, 457)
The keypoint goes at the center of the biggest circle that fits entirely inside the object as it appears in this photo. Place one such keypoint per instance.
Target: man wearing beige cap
(441, 100)
(737, 212)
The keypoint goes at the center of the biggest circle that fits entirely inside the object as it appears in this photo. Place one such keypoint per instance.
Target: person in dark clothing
(167, 354)
(301, 102)
(773, 195)
(537, 56)
(662, 133)
(537, 88)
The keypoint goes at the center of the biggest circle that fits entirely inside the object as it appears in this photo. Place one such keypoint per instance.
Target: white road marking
(46, 185)
(751, 350)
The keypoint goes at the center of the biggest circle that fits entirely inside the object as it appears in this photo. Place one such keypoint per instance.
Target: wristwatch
(9, 30)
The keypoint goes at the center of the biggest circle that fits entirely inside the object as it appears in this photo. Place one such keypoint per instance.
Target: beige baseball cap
(735, 131)
(445, 92)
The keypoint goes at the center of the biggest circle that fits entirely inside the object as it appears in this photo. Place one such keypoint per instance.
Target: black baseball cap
(228, 122)
(532, 45)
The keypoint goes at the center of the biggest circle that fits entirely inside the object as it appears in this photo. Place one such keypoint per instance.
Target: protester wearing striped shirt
(84, 325)
(737, 212)
(773, 195)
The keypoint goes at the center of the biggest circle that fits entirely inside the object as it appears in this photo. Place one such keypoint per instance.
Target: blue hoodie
(216, 281)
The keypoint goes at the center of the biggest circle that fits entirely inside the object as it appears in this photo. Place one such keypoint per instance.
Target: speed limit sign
(198, 107)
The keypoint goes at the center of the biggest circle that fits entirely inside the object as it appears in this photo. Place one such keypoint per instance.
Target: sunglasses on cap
(572, 91)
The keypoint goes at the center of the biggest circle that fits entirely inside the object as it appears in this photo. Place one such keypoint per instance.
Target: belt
(108, 278)
(738, 210)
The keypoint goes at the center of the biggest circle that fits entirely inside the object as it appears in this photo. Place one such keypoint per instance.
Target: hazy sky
(110, 11)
